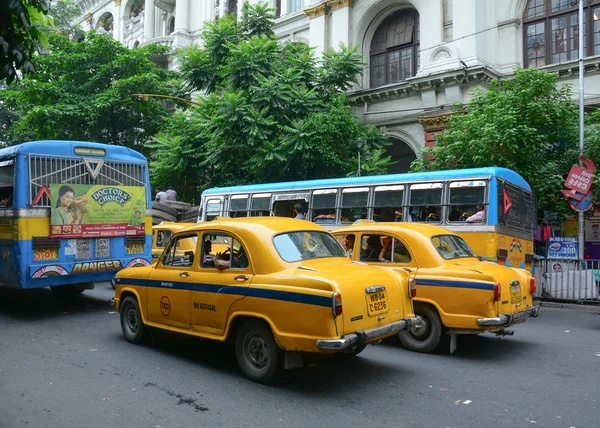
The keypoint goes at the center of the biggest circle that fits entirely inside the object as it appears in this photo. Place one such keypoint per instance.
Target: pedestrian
(171, 194)
(161, 196)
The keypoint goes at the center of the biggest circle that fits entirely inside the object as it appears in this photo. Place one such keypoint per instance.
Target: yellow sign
(571, 228)
(134, 248)
(45, 253)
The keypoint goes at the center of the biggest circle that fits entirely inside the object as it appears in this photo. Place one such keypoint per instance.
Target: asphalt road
(67, 365)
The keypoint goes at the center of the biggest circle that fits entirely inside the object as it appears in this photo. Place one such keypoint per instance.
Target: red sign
(580, 179)
(507, 202)
(96, 230)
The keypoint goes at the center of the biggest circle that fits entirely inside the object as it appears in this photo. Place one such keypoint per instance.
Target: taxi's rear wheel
(257, 353)
(132, 325)
(427, 337)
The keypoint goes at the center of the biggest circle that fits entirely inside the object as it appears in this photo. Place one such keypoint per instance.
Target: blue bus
(503, 232)
(72, 213)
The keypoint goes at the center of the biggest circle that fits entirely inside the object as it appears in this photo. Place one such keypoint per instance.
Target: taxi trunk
(368, 297)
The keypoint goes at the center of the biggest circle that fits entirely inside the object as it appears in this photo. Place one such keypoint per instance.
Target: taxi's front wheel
(131, 321)
(257, 353)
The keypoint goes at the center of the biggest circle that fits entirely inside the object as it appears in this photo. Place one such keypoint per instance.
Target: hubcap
(132, 319)
(255, 349)
(421, 332)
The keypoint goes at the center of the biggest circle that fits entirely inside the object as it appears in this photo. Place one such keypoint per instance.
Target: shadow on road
(40, 303)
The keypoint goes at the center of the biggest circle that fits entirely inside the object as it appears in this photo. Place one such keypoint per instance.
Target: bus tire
(132, 325)
(426, 338)
(163, 216)
(180, 206)
(158, 206)
(258, 356)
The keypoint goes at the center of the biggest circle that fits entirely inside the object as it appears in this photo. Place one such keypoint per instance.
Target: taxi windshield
(451, 247)
(297, 246)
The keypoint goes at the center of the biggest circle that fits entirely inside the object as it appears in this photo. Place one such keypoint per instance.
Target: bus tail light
(412, 288)
(497, 292)
(532, 286)
(336, 302)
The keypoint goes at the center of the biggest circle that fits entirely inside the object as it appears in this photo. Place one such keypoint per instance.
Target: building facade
(421, 56)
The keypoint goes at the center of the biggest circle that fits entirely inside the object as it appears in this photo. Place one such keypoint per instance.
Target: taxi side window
(223, 249)
(384, 249)
(162, 237)
(180, 252)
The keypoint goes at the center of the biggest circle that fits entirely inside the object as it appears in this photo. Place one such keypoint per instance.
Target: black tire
(426, 338)
(156, 220)
(132, 325)
(179, 206)
(257, 354)
(158, 206)
(163, 216)
(191, 213)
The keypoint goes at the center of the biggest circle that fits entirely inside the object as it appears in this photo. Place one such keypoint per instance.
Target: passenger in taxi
(373, 249)
(348, 243)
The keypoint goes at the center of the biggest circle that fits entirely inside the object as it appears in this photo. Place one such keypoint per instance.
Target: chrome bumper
(362, 336)
(507, 320)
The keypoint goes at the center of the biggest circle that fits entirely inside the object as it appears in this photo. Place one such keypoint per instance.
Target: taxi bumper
(363, 336)
(507, 320)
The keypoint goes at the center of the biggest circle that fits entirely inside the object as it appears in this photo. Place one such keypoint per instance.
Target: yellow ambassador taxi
(456, 292)
(280, 288)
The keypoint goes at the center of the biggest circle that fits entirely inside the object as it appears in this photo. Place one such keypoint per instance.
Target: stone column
(340, 21)
(149, 21)
(318, 26)
(182, 10)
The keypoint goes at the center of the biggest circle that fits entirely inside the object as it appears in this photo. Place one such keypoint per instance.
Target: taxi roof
(255, 224)
(170, 225)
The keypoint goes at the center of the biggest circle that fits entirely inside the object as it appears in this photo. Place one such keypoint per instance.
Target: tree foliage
(83, 91)
(526, 123)
(270, 111)
(20, 35)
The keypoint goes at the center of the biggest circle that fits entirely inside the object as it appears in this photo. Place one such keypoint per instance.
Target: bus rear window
(7, 183)
(464, 198)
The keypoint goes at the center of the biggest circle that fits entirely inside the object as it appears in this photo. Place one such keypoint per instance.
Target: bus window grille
(45, 170)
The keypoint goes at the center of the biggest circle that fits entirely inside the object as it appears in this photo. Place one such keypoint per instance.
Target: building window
(551, 31)
(171, 25)
(295, 5)
(232, 7)
(395, 52)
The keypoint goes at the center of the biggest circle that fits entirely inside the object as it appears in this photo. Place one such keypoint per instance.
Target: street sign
(582, 205)
(580, 178)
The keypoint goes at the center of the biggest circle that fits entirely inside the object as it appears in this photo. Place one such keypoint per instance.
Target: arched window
(395, 48)
(551, 31)
(171, 25)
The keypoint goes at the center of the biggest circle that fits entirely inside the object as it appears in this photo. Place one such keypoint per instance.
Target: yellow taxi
(281, 288)
(456, 292)
(161, 234)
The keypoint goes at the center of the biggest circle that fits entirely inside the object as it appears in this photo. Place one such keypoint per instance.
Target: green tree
(83, 91)
(63, 13)
(525, 123)
(270, 111)
(20, 35)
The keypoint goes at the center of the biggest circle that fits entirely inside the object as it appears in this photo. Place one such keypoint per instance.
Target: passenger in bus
(400, 217)
(64, 212)
(479, 216)
(454, 215)
(299, 210)
(432, 214)
(330, 216)
(8, 201)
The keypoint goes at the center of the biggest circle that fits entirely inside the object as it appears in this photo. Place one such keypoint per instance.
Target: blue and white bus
(445, 198)
(72, 213)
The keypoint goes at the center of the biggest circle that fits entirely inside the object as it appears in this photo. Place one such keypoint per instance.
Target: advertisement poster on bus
(90, 211)
(562, 248)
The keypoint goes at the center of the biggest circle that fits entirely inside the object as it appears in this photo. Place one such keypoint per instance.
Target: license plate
(377, 303)
(515, 293)
(134, 248)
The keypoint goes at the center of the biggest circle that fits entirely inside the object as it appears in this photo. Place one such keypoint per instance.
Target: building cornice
(339, 4)
(317, 10)
(433, 123)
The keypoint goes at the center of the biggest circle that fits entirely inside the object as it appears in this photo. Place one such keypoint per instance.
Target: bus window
(260, 205)
(388, 201)
(238, 206)
(426, 202)
(323, 211)
(464, 198)
(213, 209)
(354, 204)
(7, 182)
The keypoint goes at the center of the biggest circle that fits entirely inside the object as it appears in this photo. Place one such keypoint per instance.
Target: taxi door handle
(241, 278)
(184, 274)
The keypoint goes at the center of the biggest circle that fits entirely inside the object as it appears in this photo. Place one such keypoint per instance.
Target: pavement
(585, 307)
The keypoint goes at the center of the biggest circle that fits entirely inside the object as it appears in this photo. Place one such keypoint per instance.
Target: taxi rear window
(451, 247)
(297, 246)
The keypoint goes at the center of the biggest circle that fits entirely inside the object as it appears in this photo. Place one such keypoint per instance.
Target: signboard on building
(562, 248)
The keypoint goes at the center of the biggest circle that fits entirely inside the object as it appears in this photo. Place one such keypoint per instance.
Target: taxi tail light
(412, 288)
(532, 286)
(497, 292)
(336, 303)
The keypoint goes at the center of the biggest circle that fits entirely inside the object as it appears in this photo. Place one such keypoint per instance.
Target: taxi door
(225, 276)
(168, 293)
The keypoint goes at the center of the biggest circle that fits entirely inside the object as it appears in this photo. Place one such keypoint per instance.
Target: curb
(572, 306)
